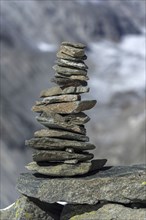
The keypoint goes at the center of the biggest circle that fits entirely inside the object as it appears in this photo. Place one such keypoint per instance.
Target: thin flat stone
(58, 144)
(60, 134)
(72, 77)
(57, 156)
(72, 51)
(61, 169)
(60, 91)
(76, 45)
(52, 122)
(62, 55)
(68, 71)
(121, 184)
(68, 82)
(69, 63)
(59, 98)
(65, 108)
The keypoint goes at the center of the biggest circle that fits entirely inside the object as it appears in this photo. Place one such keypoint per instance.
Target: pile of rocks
(61, 148)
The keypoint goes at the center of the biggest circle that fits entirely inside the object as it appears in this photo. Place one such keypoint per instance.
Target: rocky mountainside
(116, 71)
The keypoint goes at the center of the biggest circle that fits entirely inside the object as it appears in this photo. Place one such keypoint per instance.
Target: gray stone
(58, 144)
(72, 64)
(60, 91)
(68, 82)
(57, 156)
(72, 77)
(59, 98)
(65, 107)
(107, 211)
(123, 184)
(76, 45)
(28, 209)
(60, 134)
(67, 57)
(72, 51)
(58, 122)
(68, 71)
(61, 169)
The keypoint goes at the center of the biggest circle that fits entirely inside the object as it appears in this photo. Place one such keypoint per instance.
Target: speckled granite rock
(103, 211)
(27, 209)
(121, 184)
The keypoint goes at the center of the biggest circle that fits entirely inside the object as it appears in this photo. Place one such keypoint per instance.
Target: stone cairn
(61, 148)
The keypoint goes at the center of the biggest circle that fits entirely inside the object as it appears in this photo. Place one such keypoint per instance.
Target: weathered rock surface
(71, 44)
(60, 90)
(60, 134)
(59, 98)
(58, 144)
(123, 184)
(65, 107)
(58, 156)
(28, 209)
(68, 82)
(67, 57)
(72, 64)
(107, 211)
(72, 51)
(61, 169)
(68, 71)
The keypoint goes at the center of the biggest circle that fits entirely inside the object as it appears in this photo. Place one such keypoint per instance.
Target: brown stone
(67, 57)
(65, 108)
(68, 71)
(72, 51)
(60, 91)
(68, 82)
(73, 77)
(71, 44)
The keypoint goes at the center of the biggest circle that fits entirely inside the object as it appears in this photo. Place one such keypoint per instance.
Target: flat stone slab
(123, 184)
(59, 98)
(60, 91)
(72, 51)
(68, 71)
(61, 169)
(58, 144)
(57, 156)
(71, 44)
(65, 108)
(56, 133)
(72, 77)
(62, 55)
(72, 64)
(103, 211)
(68, 82)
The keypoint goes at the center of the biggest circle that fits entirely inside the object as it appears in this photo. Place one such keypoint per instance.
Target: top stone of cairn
(61, 148)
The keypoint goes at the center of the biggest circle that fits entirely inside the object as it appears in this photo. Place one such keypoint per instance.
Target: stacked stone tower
(61, 148)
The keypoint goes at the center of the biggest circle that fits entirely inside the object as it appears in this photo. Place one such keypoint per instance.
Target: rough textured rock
(69, 63)
(72, 51)
(102, 212)
(28, 209)
(68, 71)
(60, 90)
(59, 98)
(58, 144)
(123, 184)
(57, 156)
(76, 45)
(61, 169)
(67, 57)
(72, 77)
(60, 134)
(68, 82)
(65, 107)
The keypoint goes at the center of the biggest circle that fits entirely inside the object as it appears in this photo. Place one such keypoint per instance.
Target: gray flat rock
(76, 45)
(53, 133)
(61, 169)
(72, 51)
(65, 107)
(58, 156)
(72, 64)
(62, 55)
(68, 82)
(103, 211)
(60, 91)
(123, 184)
(58, 144)
(57, 123)
(68, 71)
(72, 77)
(27, 209)
(59, 98)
